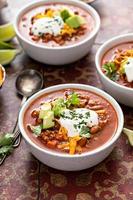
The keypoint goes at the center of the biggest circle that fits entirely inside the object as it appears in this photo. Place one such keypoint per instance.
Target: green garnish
(6, 139)
(111, 71)
(58, 106)
(73, 99)
(85, 132)
(6, 142)
(6, 150)
(36, 129)
(75, 21)
(87, 114)
(64, 14)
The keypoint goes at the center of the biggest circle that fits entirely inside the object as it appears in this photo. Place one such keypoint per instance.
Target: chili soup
(56, 24)
(70, 121)
(117, 64)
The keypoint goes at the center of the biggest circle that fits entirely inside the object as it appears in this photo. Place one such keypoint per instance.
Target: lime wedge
(7, 32)
(5, 45)
(129, 134)
(7, 55)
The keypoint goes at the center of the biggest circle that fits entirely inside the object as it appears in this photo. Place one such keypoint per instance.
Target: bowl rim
(80, 4)
(101, 54)
(100, 92)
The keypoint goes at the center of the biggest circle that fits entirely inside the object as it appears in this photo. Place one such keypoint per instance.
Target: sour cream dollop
(74, 120)
(128, 65)
(49, 25)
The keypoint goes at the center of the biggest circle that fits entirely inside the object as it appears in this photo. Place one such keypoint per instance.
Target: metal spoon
(28, 82)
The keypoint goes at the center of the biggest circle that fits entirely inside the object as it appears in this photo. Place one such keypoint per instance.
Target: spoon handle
(17, 138)
(24, 99)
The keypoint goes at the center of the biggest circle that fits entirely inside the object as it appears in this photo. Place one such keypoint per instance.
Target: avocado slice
(44, 108)
(65, 14)
(48, 120)
(75, 21)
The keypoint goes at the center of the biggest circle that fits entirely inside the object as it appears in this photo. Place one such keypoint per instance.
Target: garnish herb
(73, 99)
(6, 139)
(6, 142)
(58, 106)
(85, 132)
(111, 71)
(6, 150)
(36, 129)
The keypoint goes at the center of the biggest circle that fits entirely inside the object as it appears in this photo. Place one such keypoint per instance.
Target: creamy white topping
(75, 120)
(129, 69)
(49, 25)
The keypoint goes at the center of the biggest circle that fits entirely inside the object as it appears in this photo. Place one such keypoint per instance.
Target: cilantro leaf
(111, 71)
(6, 150)
(73, 99)
(85, 132)
(109, 68)
(58, 106)
(36, 129)
(6, 139)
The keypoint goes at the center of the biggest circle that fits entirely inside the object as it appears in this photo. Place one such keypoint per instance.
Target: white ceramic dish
(58, 55)
(121, 93)
(88, 1)
(65, 161)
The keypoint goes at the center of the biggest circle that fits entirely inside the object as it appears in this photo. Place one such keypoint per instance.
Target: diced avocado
(48, 120)
(44, 108)
(75, 21)
(65, 14)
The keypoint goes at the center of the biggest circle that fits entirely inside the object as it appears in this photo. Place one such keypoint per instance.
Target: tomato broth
(93, 102)
(78, 35)
(119, 55)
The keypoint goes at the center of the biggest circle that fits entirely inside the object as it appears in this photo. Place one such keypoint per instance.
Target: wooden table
(22, 177)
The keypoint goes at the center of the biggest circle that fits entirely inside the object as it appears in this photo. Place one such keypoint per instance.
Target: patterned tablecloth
(22, 177)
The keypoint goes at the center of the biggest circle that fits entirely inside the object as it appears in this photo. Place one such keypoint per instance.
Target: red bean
(38, 121)
(97, 107)
(94, 129)
(35, 38)
(35, 113)
(82, 142)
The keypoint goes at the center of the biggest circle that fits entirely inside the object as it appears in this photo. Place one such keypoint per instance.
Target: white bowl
(63, 54)
(121, 93)
(65, 161)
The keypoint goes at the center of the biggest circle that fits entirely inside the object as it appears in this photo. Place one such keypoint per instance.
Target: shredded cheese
(67, 30)
(51, 14)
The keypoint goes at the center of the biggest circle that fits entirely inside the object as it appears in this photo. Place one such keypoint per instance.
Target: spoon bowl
(28, 82)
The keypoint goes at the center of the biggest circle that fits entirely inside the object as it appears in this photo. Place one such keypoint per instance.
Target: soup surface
(117, 64)
(70, 120)
(56, 24)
